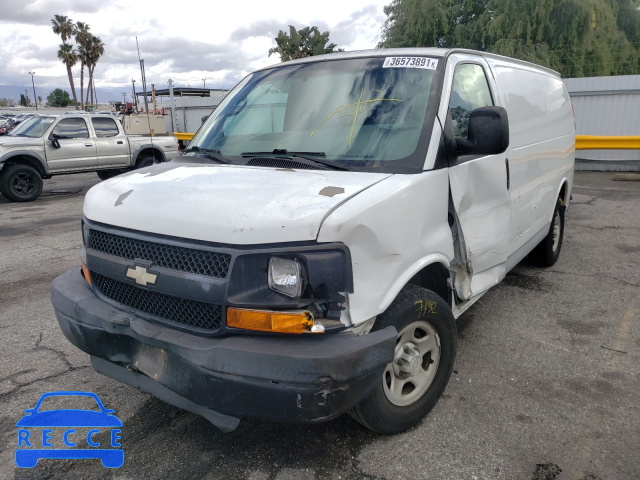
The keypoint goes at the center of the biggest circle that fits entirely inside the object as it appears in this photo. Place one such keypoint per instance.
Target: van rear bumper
(302, 378)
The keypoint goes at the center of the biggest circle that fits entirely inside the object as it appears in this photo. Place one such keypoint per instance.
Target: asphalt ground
(546, 383)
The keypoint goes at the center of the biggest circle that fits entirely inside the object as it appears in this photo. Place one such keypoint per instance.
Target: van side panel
(393, 229)
(541, 149)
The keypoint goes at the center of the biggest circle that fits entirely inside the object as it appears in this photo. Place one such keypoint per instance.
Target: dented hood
(238, 205)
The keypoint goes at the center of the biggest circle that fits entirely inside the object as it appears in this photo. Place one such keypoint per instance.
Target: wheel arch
(563, 193)
(27, 158)
(430, 272)
(148, 150)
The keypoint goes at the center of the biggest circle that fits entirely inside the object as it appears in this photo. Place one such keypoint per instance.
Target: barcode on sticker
(410, 62)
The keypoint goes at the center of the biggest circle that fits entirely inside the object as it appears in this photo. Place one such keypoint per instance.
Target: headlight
(85, 233)
(285, 277)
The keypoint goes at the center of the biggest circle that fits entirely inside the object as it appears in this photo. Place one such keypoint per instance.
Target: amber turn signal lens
(265, 321)
(85, 273)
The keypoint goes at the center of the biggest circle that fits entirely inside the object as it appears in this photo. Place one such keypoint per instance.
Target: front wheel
(20, 183)
(423, 361)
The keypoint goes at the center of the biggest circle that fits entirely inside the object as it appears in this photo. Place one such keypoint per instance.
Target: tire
(20, 183)
(426, 348)
(548, 250)
(107, 174)
(144, 161)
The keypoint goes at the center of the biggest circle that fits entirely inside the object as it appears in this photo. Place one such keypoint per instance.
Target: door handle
(88, 144)
(119, 142)
(506, 162)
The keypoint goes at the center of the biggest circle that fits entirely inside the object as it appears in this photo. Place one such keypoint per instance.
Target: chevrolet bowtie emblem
(141, 275)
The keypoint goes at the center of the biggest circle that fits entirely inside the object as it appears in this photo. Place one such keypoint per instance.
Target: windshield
(33, 127)
(362, 113)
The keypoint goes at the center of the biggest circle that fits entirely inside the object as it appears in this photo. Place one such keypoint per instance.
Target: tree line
(579, 38)
(87, 51)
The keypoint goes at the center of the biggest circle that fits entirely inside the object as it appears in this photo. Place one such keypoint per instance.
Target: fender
(29, 157)
(416, 268)
(148, 146)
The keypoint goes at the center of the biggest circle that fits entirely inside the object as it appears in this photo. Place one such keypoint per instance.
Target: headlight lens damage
(285, 276)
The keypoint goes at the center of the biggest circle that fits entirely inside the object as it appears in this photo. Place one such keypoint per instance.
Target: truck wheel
(20, 183)
(107, 174)
(425, 351)
(548, 250)
(144, 161)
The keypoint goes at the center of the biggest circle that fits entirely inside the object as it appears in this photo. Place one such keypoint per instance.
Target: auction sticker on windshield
(410, 62)
(69, 433)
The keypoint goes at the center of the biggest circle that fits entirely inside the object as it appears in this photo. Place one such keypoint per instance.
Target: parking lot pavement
(546, 383)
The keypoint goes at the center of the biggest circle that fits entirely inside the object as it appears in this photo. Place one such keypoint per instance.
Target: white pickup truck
(47, 145)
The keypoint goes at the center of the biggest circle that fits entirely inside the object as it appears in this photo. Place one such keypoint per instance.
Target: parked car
(310, 252)
(47, 145)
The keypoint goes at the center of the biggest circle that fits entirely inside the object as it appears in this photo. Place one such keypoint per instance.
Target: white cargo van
(309, 253)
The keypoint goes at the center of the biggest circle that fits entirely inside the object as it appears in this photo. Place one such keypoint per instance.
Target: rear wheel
(548, 250)
(107, 174)
(20, 183)
(423, 361)
(144, 161)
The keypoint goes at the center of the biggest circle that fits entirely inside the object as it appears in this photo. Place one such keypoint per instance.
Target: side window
(104, 127)
(470, 91)
(71, 128)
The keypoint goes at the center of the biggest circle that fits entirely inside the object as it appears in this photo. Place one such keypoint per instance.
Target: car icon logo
(69, 433)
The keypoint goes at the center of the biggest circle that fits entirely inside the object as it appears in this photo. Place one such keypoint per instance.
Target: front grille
(180, 310)
(190, 260)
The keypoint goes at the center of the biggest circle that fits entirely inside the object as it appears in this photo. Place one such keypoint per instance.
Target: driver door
(77, 148)
(478, 185)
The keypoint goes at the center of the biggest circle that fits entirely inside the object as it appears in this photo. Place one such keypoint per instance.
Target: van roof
(390, 52)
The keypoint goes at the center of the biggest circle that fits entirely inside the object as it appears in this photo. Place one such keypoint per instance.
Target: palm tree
(82, 37)
(64, 27)
(95, 50)
(68, 56)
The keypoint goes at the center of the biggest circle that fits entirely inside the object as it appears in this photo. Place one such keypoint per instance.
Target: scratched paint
(331, 191)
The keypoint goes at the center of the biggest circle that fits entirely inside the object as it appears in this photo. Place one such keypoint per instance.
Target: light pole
(204, 83)
(35, 99)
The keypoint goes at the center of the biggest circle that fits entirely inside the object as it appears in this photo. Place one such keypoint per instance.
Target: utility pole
(35, 99)
(171, 104)
(135, 98)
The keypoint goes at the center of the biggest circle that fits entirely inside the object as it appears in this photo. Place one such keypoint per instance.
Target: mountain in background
(105, 95)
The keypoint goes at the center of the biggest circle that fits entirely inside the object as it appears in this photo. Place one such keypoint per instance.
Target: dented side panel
(483, 209)
(393, 229)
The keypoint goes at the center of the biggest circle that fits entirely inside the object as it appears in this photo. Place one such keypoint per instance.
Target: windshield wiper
(311, 156)
(209, 153)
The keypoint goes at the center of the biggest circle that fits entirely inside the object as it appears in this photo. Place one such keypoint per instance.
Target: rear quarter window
(105, 127)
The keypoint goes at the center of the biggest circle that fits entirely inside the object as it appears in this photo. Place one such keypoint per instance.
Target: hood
(237, 205)
(7, 141)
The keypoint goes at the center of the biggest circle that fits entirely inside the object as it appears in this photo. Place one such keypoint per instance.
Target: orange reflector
(266, 321)
(85, 273)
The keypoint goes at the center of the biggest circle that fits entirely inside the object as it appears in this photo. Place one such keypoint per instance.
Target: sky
(187, 41)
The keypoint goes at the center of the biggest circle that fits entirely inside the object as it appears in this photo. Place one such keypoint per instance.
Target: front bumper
(302, 378)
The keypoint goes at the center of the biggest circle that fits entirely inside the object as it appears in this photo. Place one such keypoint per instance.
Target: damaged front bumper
(302, 378)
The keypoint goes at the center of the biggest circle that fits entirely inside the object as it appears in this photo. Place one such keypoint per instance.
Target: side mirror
(54, 140)
(488, 132)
